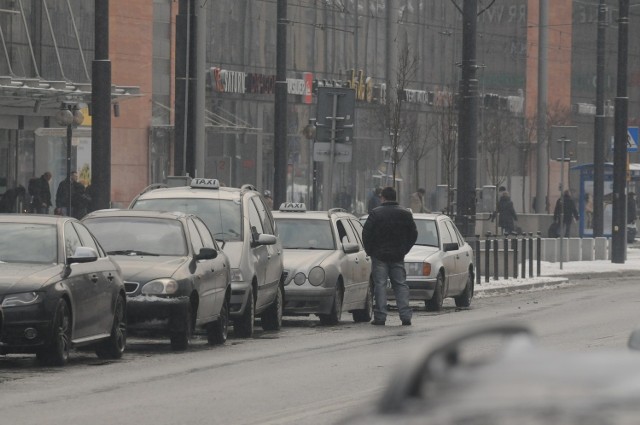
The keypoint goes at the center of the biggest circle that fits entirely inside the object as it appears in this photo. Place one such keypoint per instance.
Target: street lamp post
(69, 116)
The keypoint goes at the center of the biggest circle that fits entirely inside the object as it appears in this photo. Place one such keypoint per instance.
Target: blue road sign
(632, 139)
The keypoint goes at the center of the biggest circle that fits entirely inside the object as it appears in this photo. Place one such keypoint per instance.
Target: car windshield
(139, 236)
(427, 233)
(222, 217)
(305, 234)
(28, 243)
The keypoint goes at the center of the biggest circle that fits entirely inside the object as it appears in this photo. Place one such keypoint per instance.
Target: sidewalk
(551, 274)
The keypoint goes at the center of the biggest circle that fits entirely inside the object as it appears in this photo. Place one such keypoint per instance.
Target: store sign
(228, 81)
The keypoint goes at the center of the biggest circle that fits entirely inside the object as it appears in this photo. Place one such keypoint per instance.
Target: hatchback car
(239, 219)
(176, 276)
(59, 290)
(440, 264)
(326, 268)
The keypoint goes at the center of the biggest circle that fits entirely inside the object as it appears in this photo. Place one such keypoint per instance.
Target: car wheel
(180, 339)
(217, 331)
(464, 299)
(113, 347)
(272, 317)
(56, 353)
(366, 313)
(333, 318)
(243, 326)
(435, 303)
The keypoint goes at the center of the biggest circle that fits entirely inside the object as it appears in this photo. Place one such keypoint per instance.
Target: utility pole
(599, 133)
(542, 161)
(101, 109)
(468, 124)
(280, 142)
(619, 225)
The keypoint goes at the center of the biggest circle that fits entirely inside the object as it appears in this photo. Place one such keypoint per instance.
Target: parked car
(497, 375)
(59, 290)
(177, 278)
(240, 220)
(440, 264)
(326, 268)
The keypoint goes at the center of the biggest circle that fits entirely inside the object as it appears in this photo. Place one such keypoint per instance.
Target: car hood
(419, 253)
(26, 277)
(304, 259)
(147, 268)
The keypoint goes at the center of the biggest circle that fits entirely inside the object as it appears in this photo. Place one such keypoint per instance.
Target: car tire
(218, 331)
(114, 346)
(243, 326)
(180, 339)
(56, 352)
(435, 303)
(464, 299)
(333, 318)
(366, 313)
(272, 317)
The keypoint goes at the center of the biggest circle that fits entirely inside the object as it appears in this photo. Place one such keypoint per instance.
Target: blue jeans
(397, 274)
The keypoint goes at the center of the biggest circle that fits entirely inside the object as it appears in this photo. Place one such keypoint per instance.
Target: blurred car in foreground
(496, 375)
(326, 268)
(59, 290)
(440, 264)
(177, 278)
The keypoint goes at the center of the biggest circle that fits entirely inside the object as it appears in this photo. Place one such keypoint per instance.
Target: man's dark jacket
(389, 232)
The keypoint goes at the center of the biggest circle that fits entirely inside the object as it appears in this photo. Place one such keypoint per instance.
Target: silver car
(440, 264)
(240, 221)
(327, 270)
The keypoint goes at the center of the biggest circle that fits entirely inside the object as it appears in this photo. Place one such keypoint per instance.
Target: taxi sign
(202, 183)
(293, 207)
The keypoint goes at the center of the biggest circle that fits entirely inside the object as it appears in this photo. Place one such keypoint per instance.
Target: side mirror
(350, 248)
(206, 254)
(83, 254)
(265, 239)
(453, 246)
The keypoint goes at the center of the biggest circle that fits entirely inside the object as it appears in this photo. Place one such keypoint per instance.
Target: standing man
(79, 200)
(388, 235)
(566, 208)
(506, 214)
(40, 192)
(374, 199)
(417, 201)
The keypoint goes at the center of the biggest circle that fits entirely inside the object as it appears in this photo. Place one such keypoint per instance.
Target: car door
(465, 259)
(457, 277)
(220, 271)
(364, 271)
(350, 264)
(106, 289)
(260, 254)
(202, 276)
(448, 257)
(274, 267)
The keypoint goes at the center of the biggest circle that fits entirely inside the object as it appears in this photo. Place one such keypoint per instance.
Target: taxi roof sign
(293, 207)
(202, 183)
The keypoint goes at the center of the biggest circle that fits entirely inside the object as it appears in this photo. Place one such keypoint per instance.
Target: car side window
(265, 217)
(461, 240)
(357, 229)
(345, 232)
(255, 221)
(205, 234)
(71, 239)
(196, 240)
(445, 236)
(87, 239)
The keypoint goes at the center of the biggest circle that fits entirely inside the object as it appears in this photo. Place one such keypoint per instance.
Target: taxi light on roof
(205, 183)
(293, 207)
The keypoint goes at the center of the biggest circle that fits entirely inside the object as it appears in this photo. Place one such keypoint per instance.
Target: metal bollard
(487, 254)
(530, 254)
(514, 246)
(506, 256)
(523, 272)
(478, 280)
(539, 252)
(495, 259)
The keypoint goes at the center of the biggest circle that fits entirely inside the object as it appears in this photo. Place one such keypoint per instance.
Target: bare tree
(446, 135)
(420, 141)
(499, 138)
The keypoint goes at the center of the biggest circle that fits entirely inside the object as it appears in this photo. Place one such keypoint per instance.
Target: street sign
(343, 117)
(322, 152)
(563, 138)
(632, 139)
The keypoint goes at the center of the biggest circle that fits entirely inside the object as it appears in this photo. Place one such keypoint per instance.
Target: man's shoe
(406, 323)
(377, 322)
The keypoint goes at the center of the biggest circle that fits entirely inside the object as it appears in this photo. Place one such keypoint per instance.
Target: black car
(59, 290)
(177, 278)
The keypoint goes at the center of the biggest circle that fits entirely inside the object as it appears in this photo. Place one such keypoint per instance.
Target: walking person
(506, 214)
(566, 207)
(40, 192)
(388, 235)
(374, 199)
(79, 200)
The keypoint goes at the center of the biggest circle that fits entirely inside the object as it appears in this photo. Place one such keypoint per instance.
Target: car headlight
(418, 269)
(299, 278)
(236, 275)
(22, 299)
(316, 276)
(160, 286)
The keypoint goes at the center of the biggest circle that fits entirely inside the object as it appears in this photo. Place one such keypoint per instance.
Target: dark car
(177, 278)
(59, 290)
(497, 375)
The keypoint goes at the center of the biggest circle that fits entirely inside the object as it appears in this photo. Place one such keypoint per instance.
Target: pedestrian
(343, 199)
(268, 199)
(40, 192)
(388, 235)
(566, 207)
(13, 200)
(374, 199)
(416, 201)
(631, 208)
(506, 214)
(79, 199)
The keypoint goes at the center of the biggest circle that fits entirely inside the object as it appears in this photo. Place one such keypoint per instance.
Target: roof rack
(335, 210)
(149, 188)
(248, 186)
